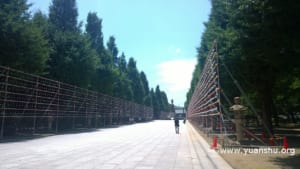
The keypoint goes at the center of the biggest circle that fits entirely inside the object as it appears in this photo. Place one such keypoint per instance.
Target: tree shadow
(290, 162)
(21, 137)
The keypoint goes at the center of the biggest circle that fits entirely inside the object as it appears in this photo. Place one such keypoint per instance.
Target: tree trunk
(275, 114)
(267, 105)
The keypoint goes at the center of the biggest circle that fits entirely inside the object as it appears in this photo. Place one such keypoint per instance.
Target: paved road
(152, 145)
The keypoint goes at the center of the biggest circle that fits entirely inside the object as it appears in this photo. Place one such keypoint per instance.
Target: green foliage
(136, 82)
(73, 60)
(56, 47)
(164, 102)
(122, 87)
(122, 63)
(94, 31)
(22, 44)
(63, 15)
(259, 42)
(145, 82)
(155, 104)
(112, 48)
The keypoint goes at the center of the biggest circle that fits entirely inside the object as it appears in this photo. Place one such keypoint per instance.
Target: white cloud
(175, 77)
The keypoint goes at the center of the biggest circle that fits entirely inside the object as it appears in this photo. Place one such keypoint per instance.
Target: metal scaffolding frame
(30, 104)
(205, 105)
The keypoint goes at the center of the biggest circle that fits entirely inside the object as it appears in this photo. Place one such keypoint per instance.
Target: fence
(30, 103)
(205, 105)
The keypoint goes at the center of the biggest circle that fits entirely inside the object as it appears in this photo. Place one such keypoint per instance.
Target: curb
(217, 161)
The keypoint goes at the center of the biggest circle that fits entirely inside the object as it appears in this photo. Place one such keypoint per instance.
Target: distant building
(179, 112)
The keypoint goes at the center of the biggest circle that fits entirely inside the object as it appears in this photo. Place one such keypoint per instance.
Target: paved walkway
(152, 145)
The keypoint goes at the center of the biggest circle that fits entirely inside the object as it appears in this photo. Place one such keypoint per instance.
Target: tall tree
(137, 85)
(73, 59)
(22, 44)
(94, 31)
(41, 21)
(112, 48)
(122, 86)
(145, 82)
(122, 63)
(155, 104)
(147, 97)
(269, 52)
(158, 99)
(164, 102)
(63, 15)
(258, 41)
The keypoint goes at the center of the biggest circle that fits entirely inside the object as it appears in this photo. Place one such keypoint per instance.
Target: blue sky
(162, 36)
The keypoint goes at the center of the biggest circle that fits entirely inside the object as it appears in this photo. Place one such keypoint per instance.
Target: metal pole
(4, 104)
(111, 113)
(86, 111)
(35, 106)
(246, 98)
(57, 108)
(74, 107)
(96, 118)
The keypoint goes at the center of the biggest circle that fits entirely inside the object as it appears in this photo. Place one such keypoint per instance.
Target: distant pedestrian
(176, 122)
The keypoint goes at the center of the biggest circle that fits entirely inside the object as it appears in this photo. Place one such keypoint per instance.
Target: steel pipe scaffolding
(205, 106)
(30, 104)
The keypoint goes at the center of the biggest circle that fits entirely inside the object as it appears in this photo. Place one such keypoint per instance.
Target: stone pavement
(152, 145)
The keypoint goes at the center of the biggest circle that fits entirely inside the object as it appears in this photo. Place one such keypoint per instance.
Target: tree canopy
(259, 42)
(22, 43)
(58, 47)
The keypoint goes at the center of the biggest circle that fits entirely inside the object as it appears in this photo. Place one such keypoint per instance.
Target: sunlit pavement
(152, 145)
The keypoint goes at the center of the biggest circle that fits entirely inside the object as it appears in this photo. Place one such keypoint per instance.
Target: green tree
(94, 31)
(145, 82)
(259, 42)
(122, 63)
(63, 15)
(112, 48)
(158, 100)
(147, 97)
(164, 102)
(137, 85)
(269, 43)
(155, 104)
(22, 44)
(41, 21)
(122, 86)
(73, 59)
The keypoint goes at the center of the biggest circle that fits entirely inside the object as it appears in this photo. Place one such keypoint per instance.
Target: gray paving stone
(152, 145)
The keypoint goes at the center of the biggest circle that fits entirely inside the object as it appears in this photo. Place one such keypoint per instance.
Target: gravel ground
(242, 160)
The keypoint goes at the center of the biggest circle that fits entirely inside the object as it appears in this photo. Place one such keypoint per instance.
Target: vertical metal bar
(74, 107)
(4, 104)
(221, 118)
(57, 108)
(86, 111)
(96, 114)
(35, 106)
(110, 112)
